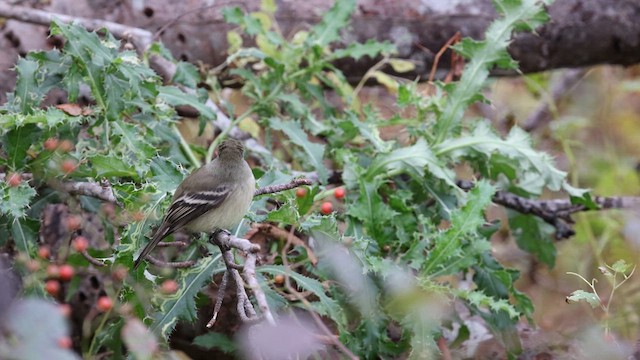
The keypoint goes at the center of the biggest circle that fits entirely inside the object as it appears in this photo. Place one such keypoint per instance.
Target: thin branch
(278, 233)
(282, 187)
(102, 191)
(140, 38)
(178, 264)
(91, 259)
(172, 243)
(556, 212)
(245, 309)
(447, 46)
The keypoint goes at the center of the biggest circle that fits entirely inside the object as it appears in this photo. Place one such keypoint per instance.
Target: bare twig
(140, 38)
(454, 39)
(91, 259)
(244, 307)
(178, 264)
(556, 212)
(282, 187)
(172, 243)
(102, 191)
(279, 233)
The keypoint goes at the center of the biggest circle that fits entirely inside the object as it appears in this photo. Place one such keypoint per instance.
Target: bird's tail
(162, 232)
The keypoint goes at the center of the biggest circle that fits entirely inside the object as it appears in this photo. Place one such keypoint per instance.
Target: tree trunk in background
(580, 33)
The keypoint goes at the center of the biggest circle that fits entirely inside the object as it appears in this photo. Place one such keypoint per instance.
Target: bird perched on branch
(215, 196)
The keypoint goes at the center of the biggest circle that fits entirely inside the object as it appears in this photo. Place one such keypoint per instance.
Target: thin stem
(186, 148)
(102, 322)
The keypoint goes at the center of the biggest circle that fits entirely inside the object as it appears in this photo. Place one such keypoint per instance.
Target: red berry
(339, 193)
(80, 244)
(66, 272)
(52, 287)
(65, 309)
(137, 216)
(44, 252)
(33, 265)
(14, 179)
(104, 304)
(326, 208)
(301, 192)
(65, 342)
(279, 279)
(69, 166)
(53, 270)
(66, 145)
(119, 273)
(51, 144)
(73, 222)
(169, 287)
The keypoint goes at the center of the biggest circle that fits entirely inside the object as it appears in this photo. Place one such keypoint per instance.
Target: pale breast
(230, 212)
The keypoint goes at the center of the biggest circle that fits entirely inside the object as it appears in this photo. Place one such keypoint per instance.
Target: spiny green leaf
(134, 140)
(112, 166)
(370, 209)
(22, 231)
(482, 56)
(16, 200)
(315, 151)
(411, 160)
(174, 96)
(464, 222)
(27, 94)
(166, 174)
(18, 141)
(329, 307)
(181, 305)
(536, 166)
(335, 19)
(534, 236)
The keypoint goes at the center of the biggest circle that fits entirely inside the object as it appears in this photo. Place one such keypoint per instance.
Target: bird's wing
(185, 208)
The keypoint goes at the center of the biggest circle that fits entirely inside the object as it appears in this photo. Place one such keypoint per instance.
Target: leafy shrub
(392, 254)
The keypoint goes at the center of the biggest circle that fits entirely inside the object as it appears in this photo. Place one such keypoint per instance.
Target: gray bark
(580, 33)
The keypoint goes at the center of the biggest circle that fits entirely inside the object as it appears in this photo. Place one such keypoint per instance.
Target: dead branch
(556, 212)
(282, 187)
(91, 259)
(247, 313)
(279, 233)
(102, 191)
(140, 38)
(177, 265)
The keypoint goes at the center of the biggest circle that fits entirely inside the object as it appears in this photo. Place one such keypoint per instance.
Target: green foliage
(402, 230)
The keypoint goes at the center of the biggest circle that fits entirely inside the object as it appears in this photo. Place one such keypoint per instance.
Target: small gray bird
(215, 196)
